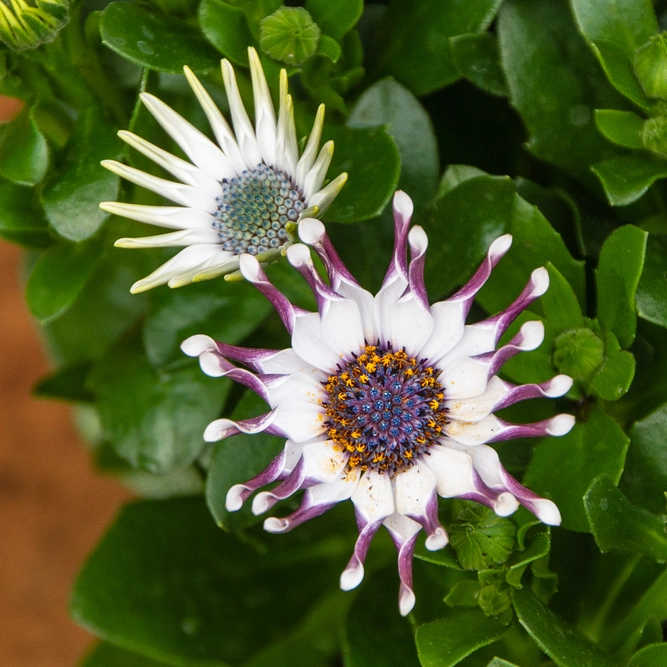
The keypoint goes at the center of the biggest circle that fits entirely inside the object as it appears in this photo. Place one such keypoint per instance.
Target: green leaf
(388, 102)
(226, 313)
(107, 655)
(563, 468)
(480, 538)
(372, 161)
(154, 420)
(654, 655)
(617, 276)
(618, 524)
(554, 83)
(66, 384)
(579, 353)
(21, 218)
(416, 51)
(560, 304)
(335, 18)
(645, 477)
(477, 58)
(520, 560)
(226, 27)
(448, 640)
(289, 35)
(628, 23)
(236, 460)
(625, 179)
(24, 153)
(621, 127)
(59, 275)
(652, 288)
(165, 582)
(464, 594)
(72, 196)
(375, 634)
(617, 65)
(565, 646)
(160, 42)
(650, 65)
(616, 374)
(499, 662)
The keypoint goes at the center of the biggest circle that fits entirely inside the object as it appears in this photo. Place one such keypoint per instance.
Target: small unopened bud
(651, 66)
(26, 25)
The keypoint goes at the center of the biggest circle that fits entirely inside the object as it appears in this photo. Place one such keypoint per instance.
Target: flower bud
(651, 66)
(26, 26)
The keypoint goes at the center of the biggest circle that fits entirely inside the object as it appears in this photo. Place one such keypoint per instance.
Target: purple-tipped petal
(354, 571)
(239, 493)
(403, 209)
(225, 428)
(265, 500)
(298, 255)
(418, 245)
(404, 533)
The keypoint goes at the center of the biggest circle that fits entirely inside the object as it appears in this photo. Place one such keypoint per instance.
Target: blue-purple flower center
(385, 408)
(254, 210)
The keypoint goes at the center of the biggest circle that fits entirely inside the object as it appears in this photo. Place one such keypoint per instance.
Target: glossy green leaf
(72, 196)
(155, 420)
(560, 304)
(554, 83)
(480, 538)
(160, 42)
(499, 662)
(21, 218)
(416, 50)
(289, 35)
(226, 27)
(444, 556)
(645, 477)
(107, 655)
(564, 645)
(625, 179)
(373, 163)
(477, 58)
(613, 379)
(618, 67)
(236, 460)
(375, 634)
(654, 135)
(618, 524)
(448, 640)
(563, 468)
(650, 63)
(24, 153)
(654, 655)
(628, 23)
(621, 127)
(59, 275)
(652, 288)
(224, 312)
(335, 18)
(167, 583)
(520, 560)
(388, 102)
(464, 594)
(66, 384)
(619, 269)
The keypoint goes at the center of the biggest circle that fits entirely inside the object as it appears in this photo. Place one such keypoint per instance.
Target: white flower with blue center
(385, 400)
(245, 195)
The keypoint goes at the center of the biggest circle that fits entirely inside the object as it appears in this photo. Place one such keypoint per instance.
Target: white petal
(245, 135)
(265, 117)
(215, 265)
(465, 377)
(184, 171)
(322, 198)
(171, 217)
(388, 295)
(410, 324)
(315, 177)
(342, 328)
(449, 321)
(300, 420)
(323, 461)
(478, 407)
(185, 195)
(310, 152)
(413, 488)
(453, 470)
(183, 237)
(199, 148)
(287, 151)
(300, 386)
(474, 433)
(197, 344)
(308, 343)
(221, 129)
(286, 362)
(373, 498)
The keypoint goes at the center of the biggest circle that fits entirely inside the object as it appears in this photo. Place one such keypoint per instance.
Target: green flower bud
(579, 353)
(26, 26)
(654, 134)
(289, 35)
(651, 66)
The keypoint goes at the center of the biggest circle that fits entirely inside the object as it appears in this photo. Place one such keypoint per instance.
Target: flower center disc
(254, 209)
(385, 408)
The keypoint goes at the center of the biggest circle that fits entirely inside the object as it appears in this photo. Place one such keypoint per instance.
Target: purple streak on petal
(418, 244)
(225, 428)
(529, 337)
(536, 287)
(543, 509)
(239, 493)
(405, 548)
(306, 511)
(436, 535)
(485, 495)
(211, 361)
(558, 425)
(555, 387)
(354, 571)
(402, 217)
(495, 253)
(246, 355)
(267, 499)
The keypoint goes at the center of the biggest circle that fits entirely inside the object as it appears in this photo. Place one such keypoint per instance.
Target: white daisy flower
(245, 195)
(385, 400)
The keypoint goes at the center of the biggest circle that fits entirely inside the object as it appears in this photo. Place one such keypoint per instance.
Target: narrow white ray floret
(385, 400)
(246, 194)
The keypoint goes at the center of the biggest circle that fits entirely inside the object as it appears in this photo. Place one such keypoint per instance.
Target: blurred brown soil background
(53, 507)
